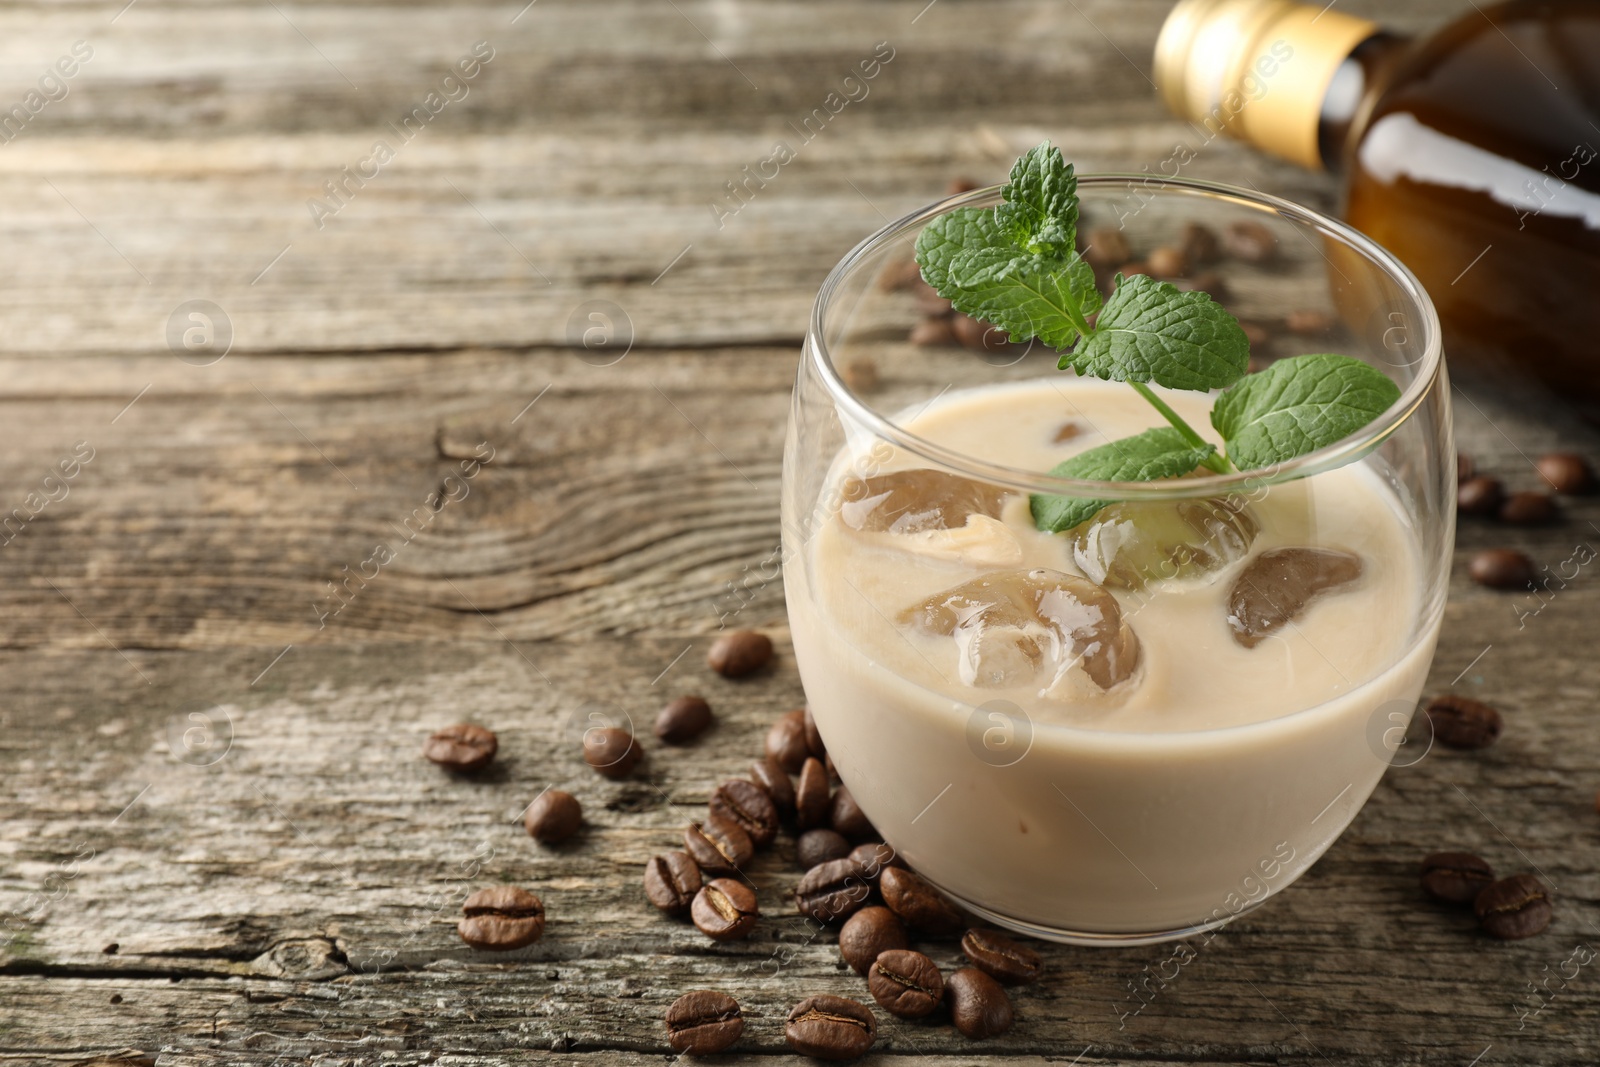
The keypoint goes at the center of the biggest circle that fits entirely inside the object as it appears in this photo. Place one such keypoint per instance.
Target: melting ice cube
(932, 513)
(1280, 584)
(1129, 544)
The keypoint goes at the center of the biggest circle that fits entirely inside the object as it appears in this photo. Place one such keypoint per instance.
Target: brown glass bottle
(1473, 154)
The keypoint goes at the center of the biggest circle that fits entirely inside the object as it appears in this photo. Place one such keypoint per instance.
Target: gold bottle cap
(1255, 69)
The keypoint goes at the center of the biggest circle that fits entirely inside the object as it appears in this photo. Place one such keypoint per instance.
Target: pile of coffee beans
(1480, 496)
(1508, 909)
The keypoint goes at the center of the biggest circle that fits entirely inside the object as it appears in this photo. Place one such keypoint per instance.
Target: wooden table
(277, 880)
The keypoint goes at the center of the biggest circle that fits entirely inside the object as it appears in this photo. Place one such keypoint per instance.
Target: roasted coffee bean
(1309, 321)
(874, 856)
(929, 302)
(917, 902)
(814, 743)
(933, 333)
(811, 798)
(978, 1006)
(1480, 496)
(1465, 467)
(1513, 908)
(1249, 241)
(683, 720)
(1167, 262)
(779, 786)
(1455, 877)
(905, 983)
(868, 933)
(747, 804)
(981, 336)
(704, 1022)
(1001, 958)
(827, 765)
(847, 817)
(1567, 472)
(553, 817)
(739, 653)
(462, 747)
(611, 751)
(1107, 247)
(961, 185)
(501, 918)
(860, 375)
(1199, 243)
(820, 846)
(1255, 334)
(786, 742)
(899, 275)
(1502, 568)
(724, 910)
(1529, 509)
(1461, 722)
(832, 891)
(1207, 281)
(1133, 267)
(830, 1028)
(671, 880)
(718, 845)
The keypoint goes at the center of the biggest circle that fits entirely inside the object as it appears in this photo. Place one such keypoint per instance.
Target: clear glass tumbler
(1181, 774)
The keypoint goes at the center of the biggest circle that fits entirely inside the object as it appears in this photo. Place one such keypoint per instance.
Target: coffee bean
(830, 1028)
(462, 747)
(1207, 281)
(1461, 722)
(898, 276)
(1309, 321)
(814, 743)
(683, 720)
(724, 910)
(867, 934)
(779, 786)
(827, 765)
(1567, 472)
(832, 891)
(1255, 334)
(917, 902)
(1167, 262)
(1001, 958)
(671, 880)
(718, 845)
(931, 333)
(1107, 247)
(811, 798)
(553, 817)
(1502, 568)
(874, 856)
(980, 336)
(704, 1022)
(740, 653)
(1513, 908)
(1480, 496)
(1133, 267)
(905, 983)
(978, 1006)
(501, 918)
(1529, 509)
(1249, 241)
(610, 750)
(1455, 877)
(747, 804)
(1199, 243)
(929, 302)
(961, 185)
(1465, 468)
(860, 375)
(848, 818)
(786, 742)
(820, 846)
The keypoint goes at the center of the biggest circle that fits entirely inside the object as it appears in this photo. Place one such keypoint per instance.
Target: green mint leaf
(1145, 457)
(1299, 405)
(1150, 331)
(1040, 213)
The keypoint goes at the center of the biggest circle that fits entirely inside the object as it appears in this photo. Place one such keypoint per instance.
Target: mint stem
(1216, 462)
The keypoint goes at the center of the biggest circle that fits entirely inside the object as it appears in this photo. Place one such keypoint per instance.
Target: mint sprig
(1017, 266)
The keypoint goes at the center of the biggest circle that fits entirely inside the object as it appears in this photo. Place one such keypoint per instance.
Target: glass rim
(1338, 454)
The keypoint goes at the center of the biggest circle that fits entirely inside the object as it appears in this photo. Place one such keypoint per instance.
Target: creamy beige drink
(1139, 725)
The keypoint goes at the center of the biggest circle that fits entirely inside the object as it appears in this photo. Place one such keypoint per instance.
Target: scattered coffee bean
(724, 910)
(747, 804)
(1455, 877)
(1513, 908)
(1567, 472)
(1167, 262)
(1461, 722)
(820, 846)
(814, 743)
(867, 934)
(779, 786)
(501, 918)
(860, 375)
(462, 747)
(933, 333)
(1107, 247)
(1481, 495)
(1529, 509)
(610, 750)
(1256, 334)
(929, 302)
(704, 1022)
(917, 902)
(553, 817)
(740, 653)
(1001, 958)
(830, 1028)
(874, 856)
(1132, 267)
(1207, 281)
(958, 186)
(1309, 321)
(1249, 241)
(899, 275)
(905, 983)
(671, 880)
(1067, 431)
(718, 846)
(827, 765)
(1502, 568)
(980, 336)
(1465, 468)
(786, 742)
(811, 798)
(848, 818)
(978, 1006)
(1199, 243)
(832, 891)
(683, 720)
